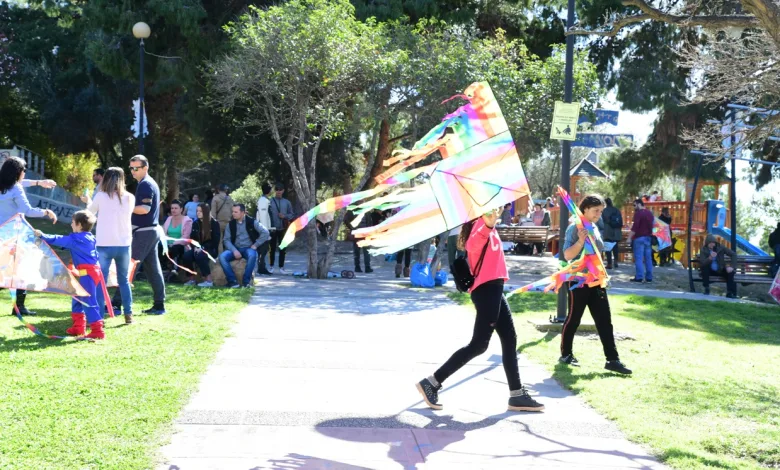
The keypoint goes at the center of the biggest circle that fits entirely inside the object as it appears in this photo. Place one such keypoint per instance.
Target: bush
(248, 193)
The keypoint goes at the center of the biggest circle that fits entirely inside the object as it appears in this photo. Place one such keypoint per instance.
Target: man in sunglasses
(145, 232)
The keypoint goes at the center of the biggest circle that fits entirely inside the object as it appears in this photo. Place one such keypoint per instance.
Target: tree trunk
(171, 180)
(311, 243)
(327, 260)
(382, 152)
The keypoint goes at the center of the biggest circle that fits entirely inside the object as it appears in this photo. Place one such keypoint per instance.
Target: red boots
(79, 324)
(96, 330)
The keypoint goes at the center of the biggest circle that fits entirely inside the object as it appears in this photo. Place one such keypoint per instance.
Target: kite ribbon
(32, 327)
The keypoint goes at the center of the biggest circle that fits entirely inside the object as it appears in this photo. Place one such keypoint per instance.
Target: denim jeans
(643, 258)
(248, 254)
(121, 256)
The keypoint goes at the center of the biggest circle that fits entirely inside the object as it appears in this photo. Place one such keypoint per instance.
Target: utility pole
(563, 294)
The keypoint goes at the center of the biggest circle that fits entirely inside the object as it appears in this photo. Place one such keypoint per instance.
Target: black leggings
(276, 240)
(595, 298)
(405, 257)
(492, 314)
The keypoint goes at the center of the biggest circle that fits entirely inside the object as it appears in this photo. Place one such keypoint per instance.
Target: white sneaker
(206, 284)
(190, 283)
(282, 271)
(271, 270)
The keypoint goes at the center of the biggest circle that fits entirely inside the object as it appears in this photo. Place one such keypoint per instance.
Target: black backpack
(615, 219)
(462, 273)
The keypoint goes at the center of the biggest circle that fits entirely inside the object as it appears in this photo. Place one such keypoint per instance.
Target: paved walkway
(320, 375)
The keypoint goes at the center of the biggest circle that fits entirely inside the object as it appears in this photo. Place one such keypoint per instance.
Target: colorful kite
(588, 269)
(480, 170)
(774, 290)
(663, 233)
(28, 263)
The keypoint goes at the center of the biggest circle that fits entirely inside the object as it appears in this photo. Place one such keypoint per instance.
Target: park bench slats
(750, 270)
(528, 234)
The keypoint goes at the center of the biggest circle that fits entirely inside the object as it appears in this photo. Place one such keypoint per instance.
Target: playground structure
(708, 217)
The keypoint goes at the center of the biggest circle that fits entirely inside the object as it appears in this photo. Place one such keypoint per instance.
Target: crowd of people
(128, 231)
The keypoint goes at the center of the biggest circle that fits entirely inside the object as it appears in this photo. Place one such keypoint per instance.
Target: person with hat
(222, 210)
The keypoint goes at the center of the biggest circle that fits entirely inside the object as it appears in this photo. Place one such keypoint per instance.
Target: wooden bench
(750, 270)
(525, 235)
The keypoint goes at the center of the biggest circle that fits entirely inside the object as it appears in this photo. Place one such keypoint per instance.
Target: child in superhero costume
(81, 244)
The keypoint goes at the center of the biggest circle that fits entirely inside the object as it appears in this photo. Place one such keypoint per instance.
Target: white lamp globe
(141, 30)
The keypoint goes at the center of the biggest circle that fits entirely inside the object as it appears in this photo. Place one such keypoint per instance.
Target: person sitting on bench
(713, 263)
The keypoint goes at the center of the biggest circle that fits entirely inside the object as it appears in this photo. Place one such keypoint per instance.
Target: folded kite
(588, 269)
(662, 233)
(480, 170)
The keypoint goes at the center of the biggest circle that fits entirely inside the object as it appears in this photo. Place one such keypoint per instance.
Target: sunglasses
(135, 168)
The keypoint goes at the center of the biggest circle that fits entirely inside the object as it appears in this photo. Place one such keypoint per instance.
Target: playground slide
(716, 225)
(743, 244)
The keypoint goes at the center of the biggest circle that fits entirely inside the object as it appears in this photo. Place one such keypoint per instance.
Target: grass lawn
(110, 404)
(705, 390)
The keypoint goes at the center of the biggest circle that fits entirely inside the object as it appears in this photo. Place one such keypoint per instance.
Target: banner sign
(599, 141)
(603, 116)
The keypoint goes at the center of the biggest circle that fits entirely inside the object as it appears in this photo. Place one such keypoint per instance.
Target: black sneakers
(430, 393)
(617, 366)
(569, 359)
(519, 400)
(157, 309)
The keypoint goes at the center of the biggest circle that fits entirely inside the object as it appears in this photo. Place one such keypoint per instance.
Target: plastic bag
(441, 278)
(421, 276)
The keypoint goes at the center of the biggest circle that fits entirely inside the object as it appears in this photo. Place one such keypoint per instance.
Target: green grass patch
(705, 390)
(110, 404)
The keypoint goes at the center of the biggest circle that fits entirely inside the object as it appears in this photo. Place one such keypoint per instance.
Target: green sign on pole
(564, 123)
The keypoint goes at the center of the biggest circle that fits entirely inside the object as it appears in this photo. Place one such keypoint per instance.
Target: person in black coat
(206, 231)
(774, 243)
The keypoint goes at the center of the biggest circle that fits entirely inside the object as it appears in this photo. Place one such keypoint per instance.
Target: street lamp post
(141, 31)
(563, 294)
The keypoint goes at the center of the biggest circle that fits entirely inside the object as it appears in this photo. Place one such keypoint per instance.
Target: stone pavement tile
(368, 446)
(283, 462)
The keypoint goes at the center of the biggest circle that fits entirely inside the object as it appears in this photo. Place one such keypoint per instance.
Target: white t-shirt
(113, 219)
(263, 215)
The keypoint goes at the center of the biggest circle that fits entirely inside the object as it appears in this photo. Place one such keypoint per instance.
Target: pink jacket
(186, 228)
(494, 264)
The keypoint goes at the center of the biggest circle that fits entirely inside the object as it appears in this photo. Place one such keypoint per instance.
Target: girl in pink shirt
(486, 260)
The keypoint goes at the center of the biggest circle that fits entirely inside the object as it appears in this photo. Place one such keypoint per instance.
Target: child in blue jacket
(81, 244)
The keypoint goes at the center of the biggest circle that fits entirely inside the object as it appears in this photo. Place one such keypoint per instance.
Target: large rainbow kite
(479, 171)
(588, 269)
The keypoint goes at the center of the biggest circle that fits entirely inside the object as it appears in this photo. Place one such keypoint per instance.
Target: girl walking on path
(595, 298)
(486, 260)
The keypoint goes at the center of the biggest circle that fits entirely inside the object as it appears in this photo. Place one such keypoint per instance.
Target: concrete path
(321, 374)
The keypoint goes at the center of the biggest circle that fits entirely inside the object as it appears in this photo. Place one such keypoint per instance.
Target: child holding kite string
(81, 244)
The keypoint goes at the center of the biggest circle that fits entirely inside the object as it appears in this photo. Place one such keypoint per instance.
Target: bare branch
(652, 13)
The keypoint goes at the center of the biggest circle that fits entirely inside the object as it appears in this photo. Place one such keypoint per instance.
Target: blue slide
(716, 225)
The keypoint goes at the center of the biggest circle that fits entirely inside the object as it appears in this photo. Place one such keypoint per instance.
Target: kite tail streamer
(32, 327)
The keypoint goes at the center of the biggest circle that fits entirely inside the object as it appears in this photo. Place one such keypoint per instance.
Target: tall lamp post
(563, 294)
(141, 31)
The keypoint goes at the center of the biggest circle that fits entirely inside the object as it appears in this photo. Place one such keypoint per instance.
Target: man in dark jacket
(712, 259)
(774, 243)
(613, 231)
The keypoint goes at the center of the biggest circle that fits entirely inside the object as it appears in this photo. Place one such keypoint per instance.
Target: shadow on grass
(549, 336)
(738, 323)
